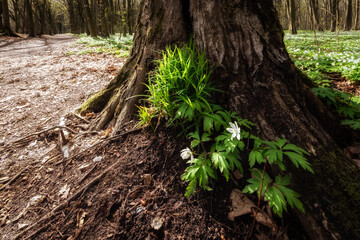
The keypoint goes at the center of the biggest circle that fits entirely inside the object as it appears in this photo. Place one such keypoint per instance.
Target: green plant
(346, 104)
(180, 89)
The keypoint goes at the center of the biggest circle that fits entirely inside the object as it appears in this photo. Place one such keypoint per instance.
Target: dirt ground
(125, 187)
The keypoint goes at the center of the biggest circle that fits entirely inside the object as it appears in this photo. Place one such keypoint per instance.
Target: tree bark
(6, 18)
(89, 19)
(291, 14)
(349, 16)
(244, 40)
(314, 6)
(29, 19)
(334, 8)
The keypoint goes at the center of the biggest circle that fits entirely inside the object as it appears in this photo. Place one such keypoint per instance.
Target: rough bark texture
(244, 40)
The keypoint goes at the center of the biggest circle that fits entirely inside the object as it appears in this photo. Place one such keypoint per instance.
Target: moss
(339, 191)
(152, 31)
(96, 102)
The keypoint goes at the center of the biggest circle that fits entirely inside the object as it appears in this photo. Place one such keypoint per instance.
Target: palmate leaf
(255, 183)
(255, 156)
(191, 188)
(297, 159)
(220, 162)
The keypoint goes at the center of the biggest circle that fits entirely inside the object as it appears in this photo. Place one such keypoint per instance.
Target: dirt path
(41, 80)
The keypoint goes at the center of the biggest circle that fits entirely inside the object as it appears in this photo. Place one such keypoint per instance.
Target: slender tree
(6, 18)
(29, 18)
(349, 16)
(89, 19)
(244, 40)
(291, 14)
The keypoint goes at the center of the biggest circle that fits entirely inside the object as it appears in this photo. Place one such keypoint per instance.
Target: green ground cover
(325, 52)
(114, 44)
(322, 54)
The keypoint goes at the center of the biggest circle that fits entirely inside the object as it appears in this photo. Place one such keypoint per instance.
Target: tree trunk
(30, 19)
(244, 40)
(314, 6)
(334, 8)
(6, 18)
(357, 17)
(89, 19)
(291, 14)
(349, 16)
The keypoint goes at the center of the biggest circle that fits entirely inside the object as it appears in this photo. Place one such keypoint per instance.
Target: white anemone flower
(234, 130)
(186, 154)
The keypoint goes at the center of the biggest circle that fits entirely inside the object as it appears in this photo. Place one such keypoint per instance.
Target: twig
(13, 179)
(80, 117)
(43, 131)
(87, 174)
(48, 217)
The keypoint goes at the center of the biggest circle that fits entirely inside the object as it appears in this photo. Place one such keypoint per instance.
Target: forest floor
(125, 187)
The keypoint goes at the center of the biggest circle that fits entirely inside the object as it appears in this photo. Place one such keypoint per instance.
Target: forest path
(42, 79)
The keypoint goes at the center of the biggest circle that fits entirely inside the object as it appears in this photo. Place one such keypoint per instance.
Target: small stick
(43, 131)
(13, 179)
(79, 117)
(87, 174)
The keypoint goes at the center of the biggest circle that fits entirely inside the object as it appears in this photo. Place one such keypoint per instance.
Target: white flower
(186, 154)
(234, 130)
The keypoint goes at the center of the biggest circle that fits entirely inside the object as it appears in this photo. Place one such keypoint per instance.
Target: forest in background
(96, 18)
(106, 17)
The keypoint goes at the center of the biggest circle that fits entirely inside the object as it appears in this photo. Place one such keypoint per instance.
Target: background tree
(244, 40)
(349, 15)
(291, 13)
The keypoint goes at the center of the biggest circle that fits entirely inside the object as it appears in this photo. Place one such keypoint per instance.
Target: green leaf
(205, 137)
(281, 142)
(295, 148)
(255, 156)
(194, 143)
(219, 161)
(298, 159)
(191, 188)
(208, 123)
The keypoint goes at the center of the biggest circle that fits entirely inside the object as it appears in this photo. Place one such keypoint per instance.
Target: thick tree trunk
(244, 40)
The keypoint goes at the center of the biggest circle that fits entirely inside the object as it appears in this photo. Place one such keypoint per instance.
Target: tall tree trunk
(1, 13)
(314, 6)
(334, 7)
(357, 13)
(90, 22)
(349, 16)
(29, 19)
(291, 14)
(6, 18)
(244, 40)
